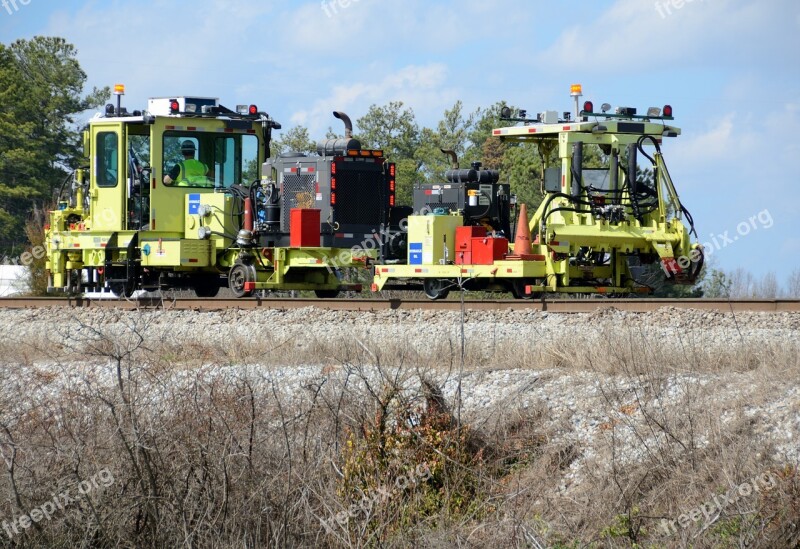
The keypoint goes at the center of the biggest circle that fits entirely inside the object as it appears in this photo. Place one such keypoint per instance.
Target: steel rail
(554, 306)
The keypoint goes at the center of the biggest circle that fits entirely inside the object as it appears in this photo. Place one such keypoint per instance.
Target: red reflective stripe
(531, 130)
(496, 132)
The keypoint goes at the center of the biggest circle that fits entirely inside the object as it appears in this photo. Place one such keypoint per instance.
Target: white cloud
(419, 87)
(159, 49)
(654, 34)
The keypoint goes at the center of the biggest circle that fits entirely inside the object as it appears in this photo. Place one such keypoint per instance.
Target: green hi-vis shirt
(191, 173)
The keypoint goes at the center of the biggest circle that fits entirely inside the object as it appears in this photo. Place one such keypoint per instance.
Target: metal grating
(298, 192)
(360, 198)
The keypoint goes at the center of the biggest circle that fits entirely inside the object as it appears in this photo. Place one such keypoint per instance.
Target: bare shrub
(215, 445)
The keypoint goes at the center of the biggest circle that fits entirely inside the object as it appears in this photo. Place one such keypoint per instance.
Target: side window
(236, 160)
(224, 161)
(250, 165)
(107, 159)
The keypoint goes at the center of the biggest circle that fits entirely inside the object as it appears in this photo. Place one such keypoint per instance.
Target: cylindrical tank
(272, 207)
(248, 214)
(335, 147)
(470, 175)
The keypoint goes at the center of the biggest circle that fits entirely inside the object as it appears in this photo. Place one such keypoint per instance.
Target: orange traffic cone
(522, 241)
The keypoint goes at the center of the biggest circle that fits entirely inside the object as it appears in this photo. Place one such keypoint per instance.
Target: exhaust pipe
(335, 147)
(348, 124)
(453, 158)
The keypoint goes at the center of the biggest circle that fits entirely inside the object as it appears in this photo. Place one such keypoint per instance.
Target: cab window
(209, 160)
(107, 170)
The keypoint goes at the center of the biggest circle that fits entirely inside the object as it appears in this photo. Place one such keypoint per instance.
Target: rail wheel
(518, 289)
(122, 289)
(436, 288)
(238, 277)
(206, 285)
(326, 294)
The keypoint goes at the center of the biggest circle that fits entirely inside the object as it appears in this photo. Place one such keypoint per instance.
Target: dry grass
(206, 452)
(34, 230)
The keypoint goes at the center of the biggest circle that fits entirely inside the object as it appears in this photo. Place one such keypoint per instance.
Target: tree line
(41, 93)
(417, 150)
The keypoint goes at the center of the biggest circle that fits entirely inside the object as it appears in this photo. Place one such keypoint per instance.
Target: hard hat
(188, 147)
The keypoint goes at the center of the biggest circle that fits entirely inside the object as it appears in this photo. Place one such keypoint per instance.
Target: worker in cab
(189, 172)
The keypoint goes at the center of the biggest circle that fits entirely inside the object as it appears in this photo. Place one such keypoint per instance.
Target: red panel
(464, 236)
(304, 228)
(486, 251)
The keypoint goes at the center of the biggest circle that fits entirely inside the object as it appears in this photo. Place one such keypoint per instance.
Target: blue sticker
(415, 253)
(194, 204)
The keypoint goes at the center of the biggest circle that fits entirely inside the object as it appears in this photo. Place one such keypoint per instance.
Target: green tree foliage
(41, 91)
(394, 129)
(294, 140)
(717, 285)
(452, 133)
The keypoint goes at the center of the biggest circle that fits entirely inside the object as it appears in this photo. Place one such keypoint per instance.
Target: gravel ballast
(515, 361)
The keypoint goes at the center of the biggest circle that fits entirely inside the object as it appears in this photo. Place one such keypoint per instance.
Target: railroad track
(555, 306)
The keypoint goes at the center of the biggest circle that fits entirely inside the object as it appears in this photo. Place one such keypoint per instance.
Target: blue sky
(730, 69)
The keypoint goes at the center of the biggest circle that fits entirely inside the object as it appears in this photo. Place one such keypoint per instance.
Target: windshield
(201, 160)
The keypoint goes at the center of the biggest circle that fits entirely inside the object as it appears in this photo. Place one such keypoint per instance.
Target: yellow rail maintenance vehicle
(593, 224)
(174, 197)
